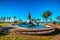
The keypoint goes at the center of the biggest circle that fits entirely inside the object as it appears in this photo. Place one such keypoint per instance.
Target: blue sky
(20, 8)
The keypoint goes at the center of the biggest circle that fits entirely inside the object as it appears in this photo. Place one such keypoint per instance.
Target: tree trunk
(46, 21)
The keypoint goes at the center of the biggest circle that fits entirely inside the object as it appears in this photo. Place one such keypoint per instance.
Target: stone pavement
(57, 37)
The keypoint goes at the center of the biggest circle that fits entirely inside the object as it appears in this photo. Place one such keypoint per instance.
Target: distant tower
(29, 17)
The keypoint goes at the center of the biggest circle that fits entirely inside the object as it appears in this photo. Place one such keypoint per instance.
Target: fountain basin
(35, 30)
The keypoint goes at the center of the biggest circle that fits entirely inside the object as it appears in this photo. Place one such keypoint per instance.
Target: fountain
(31, 27)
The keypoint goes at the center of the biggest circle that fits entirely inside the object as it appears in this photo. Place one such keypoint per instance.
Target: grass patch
(25, 37)
(4, 24)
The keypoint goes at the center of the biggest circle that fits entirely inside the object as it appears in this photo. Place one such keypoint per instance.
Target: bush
(54, 22)
(59, 22)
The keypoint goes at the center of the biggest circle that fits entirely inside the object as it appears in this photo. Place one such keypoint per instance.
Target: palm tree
(58, 18)
(51, 20)
(43, 21)
(3, 19)
(14, 18)
(9, 18)
(0, 19)
(46, 15)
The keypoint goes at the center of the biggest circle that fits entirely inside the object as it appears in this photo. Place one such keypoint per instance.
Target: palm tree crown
(46, 15)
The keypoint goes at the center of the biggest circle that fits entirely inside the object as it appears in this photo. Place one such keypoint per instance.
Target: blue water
(31, 26)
